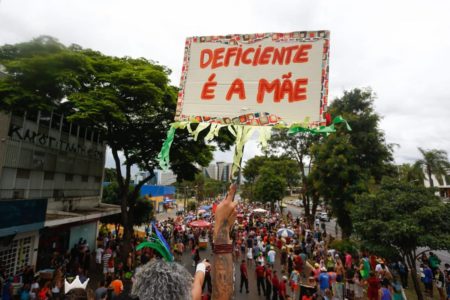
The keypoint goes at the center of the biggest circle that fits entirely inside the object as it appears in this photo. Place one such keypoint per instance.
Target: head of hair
(158, 280)
(76, 294)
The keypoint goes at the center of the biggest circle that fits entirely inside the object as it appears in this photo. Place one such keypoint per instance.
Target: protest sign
(255, 79)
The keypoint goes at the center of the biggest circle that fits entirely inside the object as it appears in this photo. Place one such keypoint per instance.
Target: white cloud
(399, 48)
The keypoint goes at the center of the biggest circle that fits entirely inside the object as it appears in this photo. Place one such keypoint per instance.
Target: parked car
(323, 216)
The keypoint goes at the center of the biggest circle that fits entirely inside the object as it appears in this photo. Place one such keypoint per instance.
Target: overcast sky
(398, 48)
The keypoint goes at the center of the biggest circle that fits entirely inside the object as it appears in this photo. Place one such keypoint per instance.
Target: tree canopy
(402, 217)
(270, 187)
(350, 163)
(434, 162)
(129, 101)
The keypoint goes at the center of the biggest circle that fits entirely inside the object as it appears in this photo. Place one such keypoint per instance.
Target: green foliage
(142, 207)
(346, 245)
(411, 173)
(399, 218)
(435, 162)
(402, 215)
(270, 187)
(110, 175)
(350, 163)
(298, 147)
(129, 101)
(282, 166)
(192, 205)
(252, 166)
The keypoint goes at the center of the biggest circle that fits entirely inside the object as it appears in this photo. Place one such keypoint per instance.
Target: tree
(142, 207)
(269, 187)
(411, 173)
(298, 148)
(110, 175)
(282, 166)
(251, 172)
(350, 163)
(402, 216)
(129, 101)
(435, 162)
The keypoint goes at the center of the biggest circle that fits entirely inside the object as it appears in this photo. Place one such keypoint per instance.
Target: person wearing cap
(282, 289)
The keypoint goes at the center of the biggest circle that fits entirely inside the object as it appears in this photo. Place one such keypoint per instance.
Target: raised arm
(222, 268)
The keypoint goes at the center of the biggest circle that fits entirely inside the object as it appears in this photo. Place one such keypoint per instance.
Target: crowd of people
(289, 257)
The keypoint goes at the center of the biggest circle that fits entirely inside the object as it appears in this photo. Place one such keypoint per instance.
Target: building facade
(218, 171)
(442, 185)
(53, 167)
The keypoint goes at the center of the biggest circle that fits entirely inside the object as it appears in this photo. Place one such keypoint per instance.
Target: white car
(323, 216)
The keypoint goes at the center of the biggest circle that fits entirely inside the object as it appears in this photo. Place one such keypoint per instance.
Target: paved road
(331, 228)
(187, 263)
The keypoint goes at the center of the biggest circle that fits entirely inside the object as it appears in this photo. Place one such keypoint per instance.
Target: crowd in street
(290, 258)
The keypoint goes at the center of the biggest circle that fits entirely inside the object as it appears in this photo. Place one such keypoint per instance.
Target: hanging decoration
(251, 83)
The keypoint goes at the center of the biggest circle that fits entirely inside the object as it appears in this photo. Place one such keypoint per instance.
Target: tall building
(218, 171)
(51, 174)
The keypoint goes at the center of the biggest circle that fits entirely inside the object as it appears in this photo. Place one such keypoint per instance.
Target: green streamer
(163, 156)
(242, 133)
(325, 130)
(158, 246)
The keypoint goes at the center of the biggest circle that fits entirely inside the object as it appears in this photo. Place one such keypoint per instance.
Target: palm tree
(435, 162)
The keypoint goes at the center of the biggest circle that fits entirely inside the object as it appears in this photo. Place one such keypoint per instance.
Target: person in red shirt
(374, 286)
(268, 281)
(260, 274)
(244, 276)
(275, 285)
(282, 288)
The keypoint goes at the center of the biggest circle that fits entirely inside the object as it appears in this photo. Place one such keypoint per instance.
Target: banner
(255, 79)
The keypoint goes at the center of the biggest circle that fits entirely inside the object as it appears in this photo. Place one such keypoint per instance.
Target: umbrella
(285, 232)
(259, 210)
(205, 207)
(200, 224)
(189, 218)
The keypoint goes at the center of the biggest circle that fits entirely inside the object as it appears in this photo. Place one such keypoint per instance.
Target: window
(15, 257)
(84, 178)
(23, 174)
(82, 133)
(95, 138)
(98, 179)
(32, 116)
(88, 134)
(56, 121)
(44, 118)
(49, 175)
(74, 130)
(69, 177)
(65, 126)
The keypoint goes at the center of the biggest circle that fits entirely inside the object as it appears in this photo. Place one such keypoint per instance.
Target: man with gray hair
(159, 280)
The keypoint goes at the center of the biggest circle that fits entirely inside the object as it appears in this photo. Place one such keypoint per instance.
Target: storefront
(20, 223)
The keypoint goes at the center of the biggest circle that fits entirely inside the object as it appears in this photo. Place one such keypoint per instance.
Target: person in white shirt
(98, 255)
(271, 254)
